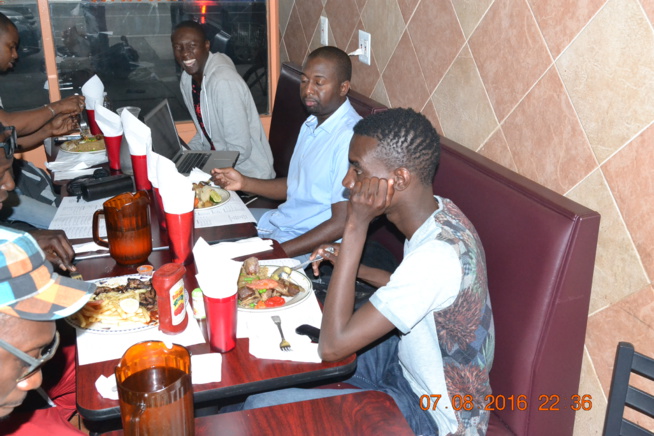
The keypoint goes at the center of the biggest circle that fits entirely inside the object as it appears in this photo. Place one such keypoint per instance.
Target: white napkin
(265, 338)
(205, 255)
(88, 246)
(197, 175)
(152, 163)
(93, 91)
(206, 368)
(175, 189)
(106, 387)
(137, 134)
(108, 121)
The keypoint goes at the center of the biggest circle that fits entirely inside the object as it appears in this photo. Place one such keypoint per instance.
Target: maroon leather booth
(540, 252)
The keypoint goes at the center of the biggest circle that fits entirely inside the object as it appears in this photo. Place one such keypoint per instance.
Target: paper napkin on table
(137, 134)
(93, 92)
(265, 338)
(175, 189)
(197, 175)
(108, 121)
(227, 250)
(206, 368)
(152, 164)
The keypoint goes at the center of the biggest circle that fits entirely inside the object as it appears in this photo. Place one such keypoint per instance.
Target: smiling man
(315, 203)
(220, 103)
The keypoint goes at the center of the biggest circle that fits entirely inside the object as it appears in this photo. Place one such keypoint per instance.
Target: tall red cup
(221, 323)
(160, 210)
(90, 115)
(140, 168)
(180, 236)
(113, 151)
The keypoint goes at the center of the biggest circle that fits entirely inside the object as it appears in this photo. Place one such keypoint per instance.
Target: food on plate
(257, 289)
(84, 145)
(134, 303)
(205, 195)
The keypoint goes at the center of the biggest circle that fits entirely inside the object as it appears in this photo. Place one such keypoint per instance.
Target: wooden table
(242, 373)
(363, 413)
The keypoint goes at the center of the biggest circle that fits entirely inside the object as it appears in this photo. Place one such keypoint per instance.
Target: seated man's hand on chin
(57, 248)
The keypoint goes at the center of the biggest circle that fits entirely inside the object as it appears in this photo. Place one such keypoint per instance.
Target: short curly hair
(6, 23)
(406, 139)
(190, 24)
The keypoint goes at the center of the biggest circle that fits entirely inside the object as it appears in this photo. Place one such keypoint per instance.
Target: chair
(628, 361)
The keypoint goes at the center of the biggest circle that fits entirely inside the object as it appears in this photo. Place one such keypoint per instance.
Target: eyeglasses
(10, 141)
(34, 364)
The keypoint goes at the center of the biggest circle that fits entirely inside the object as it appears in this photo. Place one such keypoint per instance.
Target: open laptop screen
(164, 134)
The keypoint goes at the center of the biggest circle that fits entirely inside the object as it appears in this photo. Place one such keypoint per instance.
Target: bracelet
(51, 110)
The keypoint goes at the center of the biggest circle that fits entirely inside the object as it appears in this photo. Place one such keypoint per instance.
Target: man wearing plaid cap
(32, 297)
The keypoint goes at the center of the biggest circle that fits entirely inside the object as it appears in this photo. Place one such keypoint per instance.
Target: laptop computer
(166, 142)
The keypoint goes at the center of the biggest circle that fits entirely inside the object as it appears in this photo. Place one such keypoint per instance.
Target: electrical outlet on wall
(364, 45)
(324, 30)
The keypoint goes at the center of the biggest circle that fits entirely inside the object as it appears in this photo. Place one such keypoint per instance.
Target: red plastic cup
(180, 236)
(221, 323)
(90, 115)
(113, 151)
(140, 168)
(160, 210)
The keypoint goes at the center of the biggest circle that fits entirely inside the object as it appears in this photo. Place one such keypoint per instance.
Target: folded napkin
(138, 135)
(108, 121)
(152, 161)
(205, 368)
(265, 338)
(93, 92)
(88, 246)
(76, 161)
(197, 175)
(175, 189)
(205, 255)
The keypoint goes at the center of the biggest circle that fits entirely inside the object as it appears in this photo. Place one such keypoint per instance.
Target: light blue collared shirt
(315, 176)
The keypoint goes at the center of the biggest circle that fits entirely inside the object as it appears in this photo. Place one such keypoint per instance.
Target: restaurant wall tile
(510, 58)
(547, 111)
(635, 194)
(466, 117)
(395, 76)
(618, 272)
(593, 101)
(560, 21)
(608, 73)
(309, 14)
(435, 21)
(469, 13)
(497, 150)
(383, 20)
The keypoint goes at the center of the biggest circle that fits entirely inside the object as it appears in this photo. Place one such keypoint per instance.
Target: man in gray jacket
(220, 103)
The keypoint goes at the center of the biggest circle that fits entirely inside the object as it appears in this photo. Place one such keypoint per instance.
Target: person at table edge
(33, 298)
(315, 204)
(34, 202)
(220, 102)
(432, 316)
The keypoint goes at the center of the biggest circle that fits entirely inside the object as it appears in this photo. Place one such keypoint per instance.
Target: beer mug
(155, 390)
(129, 237)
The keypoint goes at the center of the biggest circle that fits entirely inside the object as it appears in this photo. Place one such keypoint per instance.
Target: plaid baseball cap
(29, 288)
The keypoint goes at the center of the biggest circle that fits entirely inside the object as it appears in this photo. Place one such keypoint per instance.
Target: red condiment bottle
(168, 283)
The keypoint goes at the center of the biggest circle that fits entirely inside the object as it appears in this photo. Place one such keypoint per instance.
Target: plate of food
(85, 145)
(119, 305)
(269, 288)
(208, 196)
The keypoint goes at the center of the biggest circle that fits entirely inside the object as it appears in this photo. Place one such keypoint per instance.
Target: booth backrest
(289, 113)
(540, 251)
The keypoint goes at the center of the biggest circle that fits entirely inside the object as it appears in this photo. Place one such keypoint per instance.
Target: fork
(284, 345)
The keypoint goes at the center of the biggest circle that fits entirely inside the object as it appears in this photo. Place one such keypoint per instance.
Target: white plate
(224, 195)
(110, 329)
(297, 277)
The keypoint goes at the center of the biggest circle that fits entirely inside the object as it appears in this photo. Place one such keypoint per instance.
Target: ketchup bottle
(168, 283)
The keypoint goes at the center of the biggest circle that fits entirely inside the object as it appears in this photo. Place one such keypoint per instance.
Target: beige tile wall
(561, 91)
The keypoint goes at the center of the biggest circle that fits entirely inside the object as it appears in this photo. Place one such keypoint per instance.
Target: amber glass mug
(155, 390)
(129, 237)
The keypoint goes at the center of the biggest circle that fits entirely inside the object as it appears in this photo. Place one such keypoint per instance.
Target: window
(127, 44)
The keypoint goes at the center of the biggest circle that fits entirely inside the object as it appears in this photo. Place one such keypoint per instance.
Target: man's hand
(72, 105)
(369, 198)
(228, 178)
(328, 252)
(62, 125)
(57, 248)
